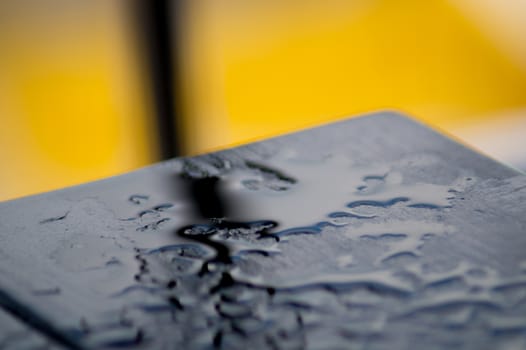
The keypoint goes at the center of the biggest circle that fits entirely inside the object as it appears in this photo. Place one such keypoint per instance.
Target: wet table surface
(371, 233)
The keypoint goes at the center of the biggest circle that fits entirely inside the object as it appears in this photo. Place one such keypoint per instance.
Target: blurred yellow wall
(75, 106)
(265, 67)
(73, 100)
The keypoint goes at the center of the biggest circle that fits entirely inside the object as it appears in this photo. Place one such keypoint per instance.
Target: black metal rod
(156, 21)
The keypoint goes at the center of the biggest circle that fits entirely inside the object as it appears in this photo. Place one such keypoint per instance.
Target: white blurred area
(504, 21)
(501, 136)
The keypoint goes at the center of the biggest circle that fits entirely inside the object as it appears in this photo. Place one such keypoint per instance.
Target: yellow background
(75, 99)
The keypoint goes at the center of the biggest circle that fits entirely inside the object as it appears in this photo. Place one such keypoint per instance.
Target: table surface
(371, 233)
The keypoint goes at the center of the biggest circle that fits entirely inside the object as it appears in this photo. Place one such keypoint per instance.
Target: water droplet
(225, 253)
(345, 260)
(55, 218)
(138, 199)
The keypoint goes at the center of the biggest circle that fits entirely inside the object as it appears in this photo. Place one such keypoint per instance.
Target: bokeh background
(77, 101)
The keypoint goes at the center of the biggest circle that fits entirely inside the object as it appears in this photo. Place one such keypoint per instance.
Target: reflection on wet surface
(212, 280)
(282, 249)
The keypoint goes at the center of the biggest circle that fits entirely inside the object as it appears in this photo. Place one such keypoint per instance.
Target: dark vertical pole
(156, 22)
